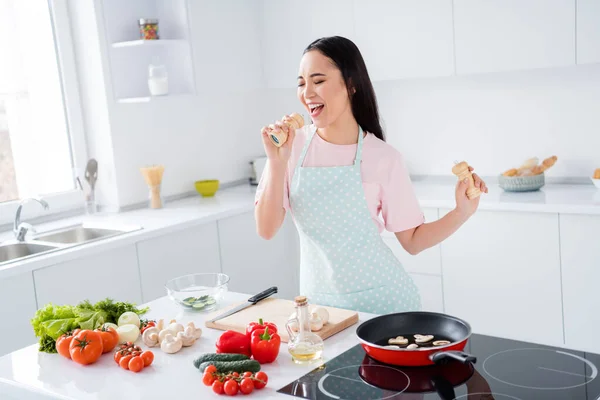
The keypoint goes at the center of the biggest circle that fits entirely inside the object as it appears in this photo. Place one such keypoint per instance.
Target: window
(41, 134)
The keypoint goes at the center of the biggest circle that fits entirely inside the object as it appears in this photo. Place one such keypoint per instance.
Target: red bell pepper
(233, 342)
(265, 345)
(252, 326)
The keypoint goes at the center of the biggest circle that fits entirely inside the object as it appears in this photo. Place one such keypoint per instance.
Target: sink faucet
(20, 228)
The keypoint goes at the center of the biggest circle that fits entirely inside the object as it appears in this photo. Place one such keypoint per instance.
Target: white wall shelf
(147, 99)
(160, 42)
(129, 56)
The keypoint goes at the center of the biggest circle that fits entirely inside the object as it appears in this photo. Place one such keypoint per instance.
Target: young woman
(336, 176)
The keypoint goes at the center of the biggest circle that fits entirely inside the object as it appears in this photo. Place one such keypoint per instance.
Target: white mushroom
(440, 342)
(322, 313)
(316, 324)
(423, 339)
(187, 338)
(150, 336)
(171, 344)
(163, 334)
(398, 340)
(412, 346)
(391, 346)
(160, 324)
(175, 327)
(196, 332)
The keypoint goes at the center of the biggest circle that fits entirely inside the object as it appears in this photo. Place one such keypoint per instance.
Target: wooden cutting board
(278, 311)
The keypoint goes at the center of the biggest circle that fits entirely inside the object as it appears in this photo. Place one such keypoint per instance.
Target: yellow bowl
(207, 188)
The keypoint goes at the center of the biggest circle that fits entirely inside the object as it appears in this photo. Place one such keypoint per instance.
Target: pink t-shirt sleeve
(261, 187)
(400, 208)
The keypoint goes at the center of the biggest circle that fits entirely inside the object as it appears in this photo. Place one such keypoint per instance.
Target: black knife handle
(263, 295)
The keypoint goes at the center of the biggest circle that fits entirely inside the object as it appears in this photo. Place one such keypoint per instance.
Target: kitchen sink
(13, 251)
(79, 234)
(59, 239)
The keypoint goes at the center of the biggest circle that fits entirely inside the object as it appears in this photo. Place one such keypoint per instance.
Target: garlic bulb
(316, 324)
(322, 312)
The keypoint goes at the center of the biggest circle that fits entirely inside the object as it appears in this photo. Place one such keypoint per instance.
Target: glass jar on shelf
(148, 28)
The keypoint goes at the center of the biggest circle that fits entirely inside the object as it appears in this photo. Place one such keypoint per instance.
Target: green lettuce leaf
(89, 319)
(53, 320)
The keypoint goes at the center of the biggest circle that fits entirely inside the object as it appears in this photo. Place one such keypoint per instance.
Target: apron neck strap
(359, 146)
(313, 131)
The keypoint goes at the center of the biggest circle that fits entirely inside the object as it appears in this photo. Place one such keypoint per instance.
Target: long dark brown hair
(348, 59)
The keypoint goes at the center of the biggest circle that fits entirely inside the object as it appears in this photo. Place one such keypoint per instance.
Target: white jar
(158, 81)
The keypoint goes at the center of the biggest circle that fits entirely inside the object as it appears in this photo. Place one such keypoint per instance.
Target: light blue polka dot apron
(344, 262)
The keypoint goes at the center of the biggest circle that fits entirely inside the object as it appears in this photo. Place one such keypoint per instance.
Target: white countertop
(27, 374)
(552, 198)
(180, 214)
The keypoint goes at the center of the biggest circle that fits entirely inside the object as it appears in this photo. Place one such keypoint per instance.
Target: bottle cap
(300, 300)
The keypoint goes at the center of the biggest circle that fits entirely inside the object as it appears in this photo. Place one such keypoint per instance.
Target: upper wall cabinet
(504, 35)
(405, 39)
(289, 26)
(226, 38)
(588, 31)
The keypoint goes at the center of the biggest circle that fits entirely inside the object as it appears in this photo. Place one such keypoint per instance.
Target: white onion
(128, 333)
(129, 317)
(110, 325)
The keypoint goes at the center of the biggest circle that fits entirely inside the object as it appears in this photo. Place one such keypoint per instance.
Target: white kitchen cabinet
(426, 262)
(255, 264)
(580, 264)
(588, 31)
(430, 289)
(17, 297)
(504, 35)
(226, 41)
(112, 273)
(405, 38)
(289, 26)
(501, 273)
(187, 251)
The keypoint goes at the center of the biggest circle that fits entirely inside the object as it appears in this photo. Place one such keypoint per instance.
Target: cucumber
(232, 366)
(219, 357)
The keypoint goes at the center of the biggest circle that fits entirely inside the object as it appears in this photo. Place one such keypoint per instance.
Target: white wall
(213, 135)
(494, 121)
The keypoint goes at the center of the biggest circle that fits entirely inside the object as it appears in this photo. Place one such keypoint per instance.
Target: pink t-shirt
(388, 189)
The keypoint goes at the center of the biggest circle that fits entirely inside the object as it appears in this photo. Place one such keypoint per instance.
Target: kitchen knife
(251, 301)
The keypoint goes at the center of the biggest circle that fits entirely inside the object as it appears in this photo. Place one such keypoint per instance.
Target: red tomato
(110, 338)
(246, 386)
(211, 368)
(62, 345)
(124, 363)
(148, 357)
(117, 357)
(261, 381)
(247, 374)
(136, 364)
(217, 387)
(208, 378)
(86, 347)
(231, 388)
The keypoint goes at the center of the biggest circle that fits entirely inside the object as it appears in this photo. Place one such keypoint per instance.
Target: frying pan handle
(457, 355)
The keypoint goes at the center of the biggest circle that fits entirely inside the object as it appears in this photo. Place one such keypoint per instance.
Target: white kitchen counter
(180, 214)
(27, 374)
(552, 198)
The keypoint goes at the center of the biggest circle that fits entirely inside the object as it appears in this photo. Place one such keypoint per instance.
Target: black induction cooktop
(504, 370)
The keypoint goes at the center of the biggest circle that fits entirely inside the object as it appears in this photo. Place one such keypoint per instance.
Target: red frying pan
(438, 337)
